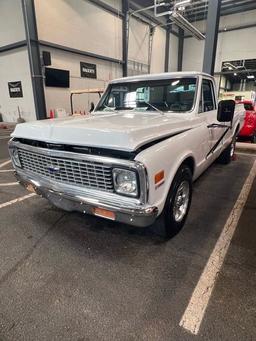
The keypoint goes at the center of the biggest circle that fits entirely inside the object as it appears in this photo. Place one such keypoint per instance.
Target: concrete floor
(65, 276)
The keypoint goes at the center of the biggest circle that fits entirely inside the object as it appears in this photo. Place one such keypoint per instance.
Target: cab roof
(158, 76)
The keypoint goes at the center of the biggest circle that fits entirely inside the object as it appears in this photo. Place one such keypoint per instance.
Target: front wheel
(178, 202)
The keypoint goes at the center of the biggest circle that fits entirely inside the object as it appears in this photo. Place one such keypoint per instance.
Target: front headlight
(15, 157)
(125, 182)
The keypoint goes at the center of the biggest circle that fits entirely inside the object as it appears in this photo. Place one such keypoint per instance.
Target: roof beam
(232, 71)
(79, 52)
(227, 10)
(230, 29)
(13, 46)
(148, 14)
(224, 5)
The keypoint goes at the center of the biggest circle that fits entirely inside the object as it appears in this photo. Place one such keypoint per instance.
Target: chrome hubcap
(181, 201)
(232, 150)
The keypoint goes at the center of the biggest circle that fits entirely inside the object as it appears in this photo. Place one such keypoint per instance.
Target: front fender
(167, 156)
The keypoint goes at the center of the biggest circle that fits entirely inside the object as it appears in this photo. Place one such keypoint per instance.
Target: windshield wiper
(152, 106)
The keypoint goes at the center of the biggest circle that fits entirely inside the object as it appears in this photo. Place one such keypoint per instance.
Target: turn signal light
(159, 176)
(100, 212)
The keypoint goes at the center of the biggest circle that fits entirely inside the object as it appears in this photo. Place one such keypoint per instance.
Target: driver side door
(208, 110)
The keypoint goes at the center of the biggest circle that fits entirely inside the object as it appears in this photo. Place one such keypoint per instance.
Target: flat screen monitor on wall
(56, 78)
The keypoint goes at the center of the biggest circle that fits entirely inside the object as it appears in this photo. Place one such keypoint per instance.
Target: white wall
(60, 97)
(229, 21)
(14, 66)
(117, 4)
(81, 25)
(11, 22)
(232, 45)
(193, 52)
(84, 26)
(158, 51)
(173, 53)
(138, 41)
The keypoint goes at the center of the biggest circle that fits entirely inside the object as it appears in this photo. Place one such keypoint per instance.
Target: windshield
(172, 95)
(248, 106)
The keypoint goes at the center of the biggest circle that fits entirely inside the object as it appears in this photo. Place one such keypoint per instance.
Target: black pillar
(212, 26)
(167, 50)
(180, 49)
(29, 15)
(125, 35)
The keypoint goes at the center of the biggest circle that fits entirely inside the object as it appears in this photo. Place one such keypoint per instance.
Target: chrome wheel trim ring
(232, 149)
(181, 201)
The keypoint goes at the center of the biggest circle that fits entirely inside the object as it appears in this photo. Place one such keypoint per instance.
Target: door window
(207, 101)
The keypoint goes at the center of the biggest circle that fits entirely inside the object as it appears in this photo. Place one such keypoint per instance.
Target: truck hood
(121, 131)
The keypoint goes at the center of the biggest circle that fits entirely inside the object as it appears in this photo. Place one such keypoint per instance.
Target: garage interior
(66, 276)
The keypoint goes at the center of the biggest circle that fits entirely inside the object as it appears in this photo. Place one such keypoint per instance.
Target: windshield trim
(103, 97)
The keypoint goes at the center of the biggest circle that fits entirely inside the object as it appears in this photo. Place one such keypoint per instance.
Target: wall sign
(88, 70)
(15, 89)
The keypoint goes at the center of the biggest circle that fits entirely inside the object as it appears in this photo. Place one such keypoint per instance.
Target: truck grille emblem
(53, 169)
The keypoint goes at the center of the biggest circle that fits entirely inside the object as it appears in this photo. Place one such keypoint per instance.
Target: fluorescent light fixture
(181, 3)
(149, 7)
(180, 21)
(250, 77)
(156, 5)
(175, 7)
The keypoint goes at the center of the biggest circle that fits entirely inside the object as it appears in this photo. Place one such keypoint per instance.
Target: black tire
(172, 225)
(226, 156)
(253, 138)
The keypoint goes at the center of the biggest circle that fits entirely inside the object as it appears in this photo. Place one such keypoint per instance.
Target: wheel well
(190, 162)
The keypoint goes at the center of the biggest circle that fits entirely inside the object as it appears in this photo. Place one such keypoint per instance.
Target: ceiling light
(180, 21)
(182, 3)
(250, 76)
(235, 74)
(156, 5)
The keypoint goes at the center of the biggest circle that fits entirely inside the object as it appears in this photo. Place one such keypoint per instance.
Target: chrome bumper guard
(69, 198)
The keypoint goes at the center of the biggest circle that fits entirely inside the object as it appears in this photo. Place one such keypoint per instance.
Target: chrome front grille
(80, 172)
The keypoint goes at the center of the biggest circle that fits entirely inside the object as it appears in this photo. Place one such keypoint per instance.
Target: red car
(248, 131)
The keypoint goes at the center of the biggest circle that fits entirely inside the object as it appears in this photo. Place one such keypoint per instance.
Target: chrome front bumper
(71, 198)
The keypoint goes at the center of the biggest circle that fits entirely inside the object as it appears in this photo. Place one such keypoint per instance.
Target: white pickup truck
(135, 157)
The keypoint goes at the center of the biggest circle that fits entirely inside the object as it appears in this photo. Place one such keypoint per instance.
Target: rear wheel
(253, 138)
(227, 155)
(178, 202)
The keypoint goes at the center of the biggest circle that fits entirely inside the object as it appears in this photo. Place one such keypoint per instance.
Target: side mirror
(226, 111)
